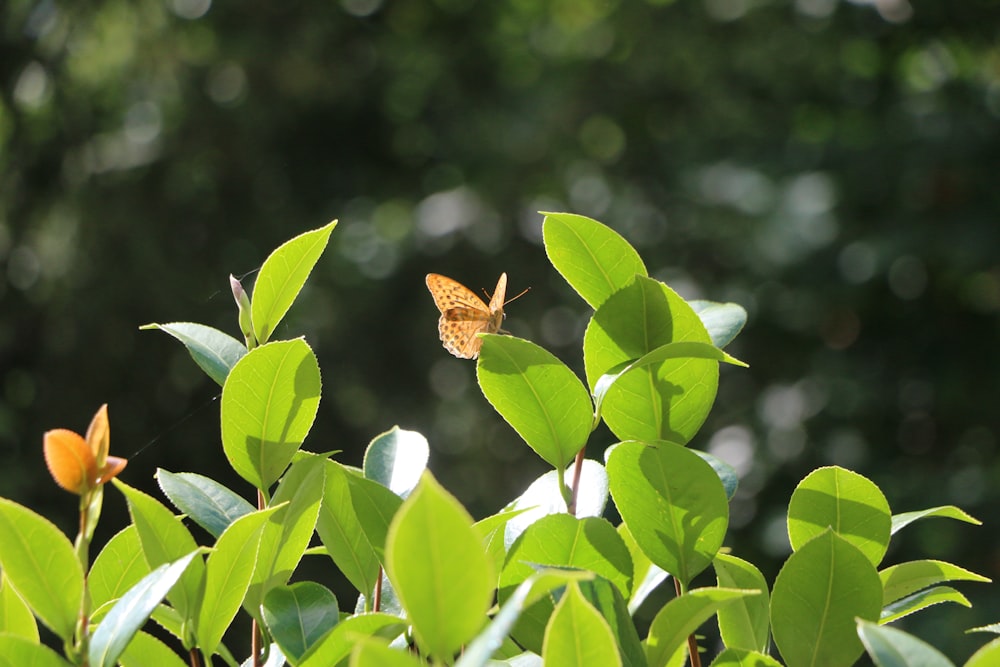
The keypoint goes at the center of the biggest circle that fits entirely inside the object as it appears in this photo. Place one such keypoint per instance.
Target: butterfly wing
(496, 304)
(450, 293)
(458, 328)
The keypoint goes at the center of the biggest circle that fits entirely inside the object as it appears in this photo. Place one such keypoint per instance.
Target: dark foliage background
(830, 165)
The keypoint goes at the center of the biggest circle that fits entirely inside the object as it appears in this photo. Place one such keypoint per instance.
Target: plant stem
(575, 487)
(692, 640)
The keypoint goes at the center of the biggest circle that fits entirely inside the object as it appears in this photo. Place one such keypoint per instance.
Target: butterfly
(463, 314)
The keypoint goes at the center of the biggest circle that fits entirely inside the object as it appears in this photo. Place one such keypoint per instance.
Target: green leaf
(850, 504)
(269, 403)
(15, 615)
(275, 658)
(727, 474)
(646, 576)
(681, 350)
(396, 459)
(41, 564)
(820, 590)
(993, 628)
(299, 615)
(723, 321)
(682, 616)
(526, 594)
(593, 258)
(577, 634)
(564, 541)
(673, 502)
(145, 649)
(120, 566)
(341, 532)
(921, 600)
(439, 568)
(609, 601)
(543, 497)
(215, 352)
(227, 576)
(735, 657)
(668, 400)
(900, 580)
(536, 394)
(336, 645)
(889, 647)
(371, 653)
(164, 540)
(745, 623)
(282, 276)
(133, 610)
(286, 536)
(375, 506)
(206, 502)
(900, 521)
(987, 656)
(20, 652)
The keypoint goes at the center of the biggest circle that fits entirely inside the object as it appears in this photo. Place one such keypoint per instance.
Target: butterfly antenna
(515, 298)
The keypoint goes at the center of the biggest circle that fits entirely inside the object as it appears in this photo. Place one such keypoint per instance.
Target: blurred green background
(830, 165)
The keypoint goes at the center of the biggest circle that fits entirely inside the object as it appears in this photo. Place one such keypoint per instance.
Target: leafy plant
(545, 580)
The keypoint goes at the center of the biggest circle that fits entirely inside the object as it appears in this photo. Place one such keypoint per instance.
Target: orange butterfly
(463, 314)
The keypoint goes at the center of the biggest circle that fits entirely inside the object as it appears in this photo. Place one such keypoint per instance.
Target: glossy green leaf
(145, 649)
(215, 352)
(543, 497)
(439, 568)
(668, 400)
(673, 502)
(734, 657)
(227, 576)
(133, 610)
(374, 506)
(275, 658)
(336, 645)
(269, 403)
(727, 474)
(164, 540)
(743, 624)
(492, 530)
(577, 634)
(683, 615)
(536, 394)
(850, 504)
(901, 580)
(646, 576)
(396, 459)
(723, 321)
(341, 532)
(681, 350)
(15, 615)
(564, 541)
(900, 521)
(820, 590)
(286, 536)
(206, 502)
(987, 656)
(118, 567)
(607, 598)
(993, 628)
(282, 276)
(20, 652)
(593, 258)
(921, 600)
(889, 647)
(299, 615)
(371, 653)
(40, 563)
(478, 653)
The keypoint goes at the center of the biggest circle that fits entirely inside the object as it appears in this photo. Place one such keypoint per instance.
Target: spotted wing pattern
(463, 314)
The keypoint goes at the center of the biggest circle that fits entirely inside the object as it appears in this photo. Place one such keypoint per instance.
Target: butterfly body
(464, 315)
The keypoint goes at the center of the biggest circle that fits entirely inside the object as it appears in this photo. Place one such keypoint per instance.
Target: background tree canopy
(830, 165)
